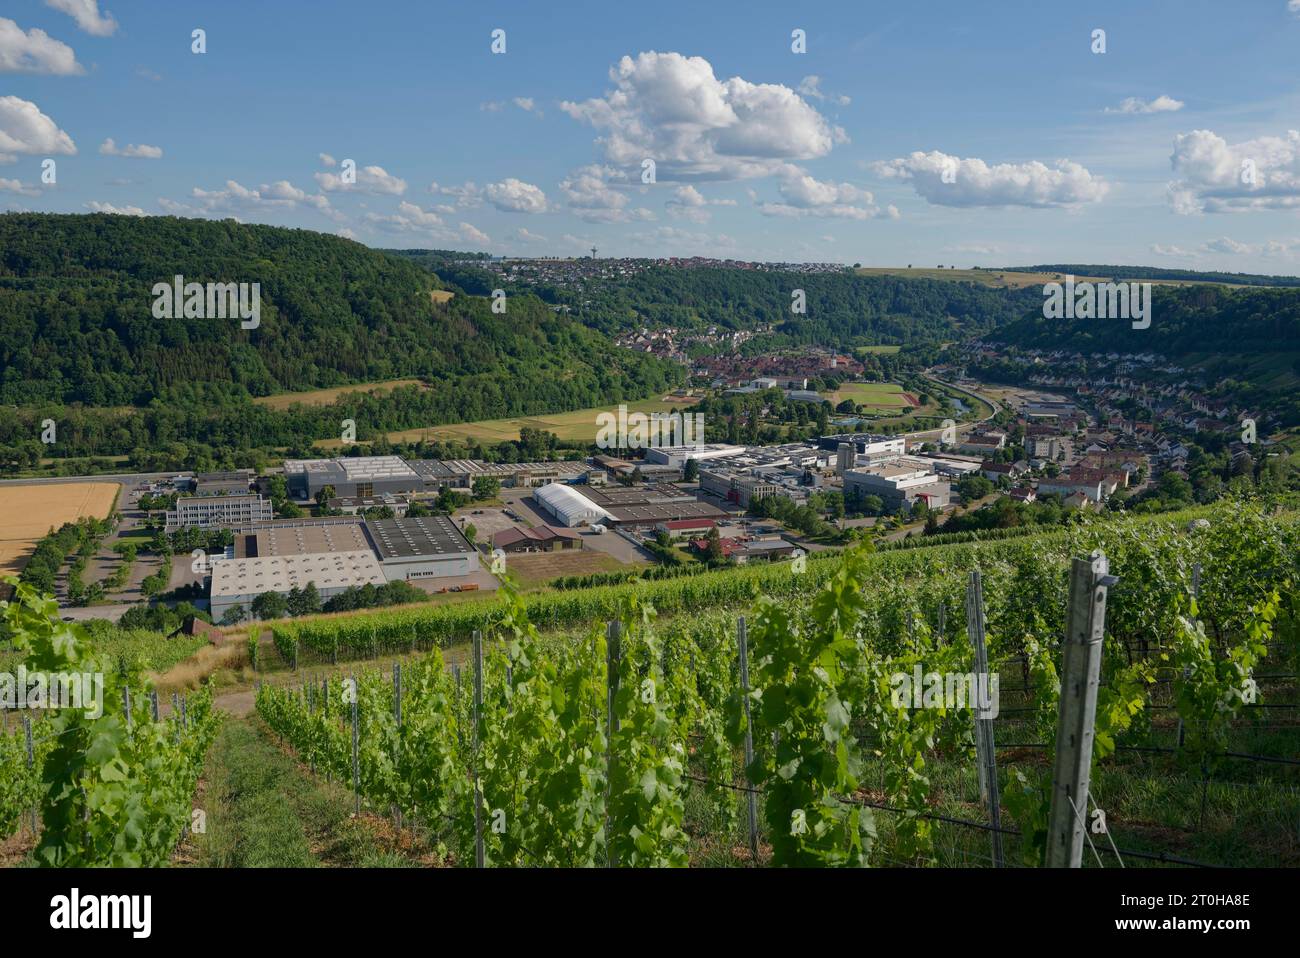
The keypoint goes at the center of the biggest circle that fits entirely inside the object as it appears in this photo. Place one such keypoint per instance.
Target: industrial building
(736, 486)
(353, 505)
(218, 512)
(570, 507)
(223, 483)
(677, 456)
(536, 539)
(874, 447)
(240, 581)
(648, 504)
(632, 506)
(899, 485)
(358, 476)
(461, 473)
(296, 537)
(421, 548)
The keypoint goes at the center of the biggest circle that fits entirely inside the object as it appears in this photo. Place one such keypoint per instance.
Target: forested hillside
(76, 323)
(1184, 320)
(842, 309)
(79, 343)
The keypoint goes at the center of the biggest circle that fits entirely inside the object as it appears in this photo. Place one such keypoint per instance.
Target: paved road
(108, 477)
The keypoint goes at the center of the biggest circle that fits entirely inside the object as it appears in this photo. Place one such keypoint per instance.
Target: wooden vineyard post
(356, 748)
(742, 638)
(613, 652)
(397, 718)
(153, 703)
(985, 753)
(943, 622)
(479, 857)
(325, 712)
(1196, 594)
(1085, 628)
(31, 759)
(126, 707)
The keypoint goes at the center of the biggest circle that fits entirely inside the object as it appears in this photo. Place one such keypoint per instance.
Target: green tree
(234, 615)
(269, 605)
(486, 487)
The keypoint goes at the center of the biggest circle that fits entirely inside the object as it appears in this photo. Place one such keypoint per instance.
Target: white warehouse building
(570, 507)
(677, 456)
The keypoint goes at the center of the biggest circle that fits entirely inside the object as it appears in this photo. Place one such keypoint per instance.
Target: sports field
(27, 513)
(579, 425)
(323, 397)
(878, 398)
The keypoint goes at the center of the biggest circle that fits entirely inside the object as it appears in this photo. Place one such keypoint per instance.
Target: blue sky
(922, 133)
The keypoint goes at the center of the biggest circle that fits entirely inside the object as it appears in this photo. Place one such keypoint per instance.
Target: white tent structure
(570, 507)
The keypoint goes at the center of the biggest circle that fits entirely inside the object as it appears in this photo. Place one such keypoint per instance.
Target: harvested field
(27, 513)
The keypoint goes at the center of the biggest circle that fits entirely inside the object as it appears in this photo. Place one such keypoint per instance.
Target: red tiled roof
(689, 524)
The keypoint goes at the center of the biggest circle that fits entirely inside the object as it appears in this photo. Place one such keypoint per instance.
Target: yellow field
(1008, 278)
(986, 277)
(440, 295)
(323, 397)
(28, 512)
(579, 425)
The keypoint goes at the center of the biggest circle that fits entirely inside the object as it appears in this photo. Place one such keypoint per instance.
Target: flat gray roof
(430, 536)
(329, 570)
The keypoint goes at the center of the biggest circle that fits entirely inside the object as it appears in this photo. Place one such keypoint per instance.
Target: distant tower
(593, 252)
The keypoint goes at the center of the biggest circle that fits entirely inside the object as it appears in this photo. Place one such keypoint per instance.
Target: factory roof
(352, 468)
(664, 513)
(328, 570)
(277, 540)
(423, 536)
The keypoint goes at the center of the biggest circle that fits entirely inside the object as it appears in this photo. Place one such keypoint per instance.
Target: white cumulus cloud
(804, 195)
(142, 151)
(370, 179)
(1161, 104)
(515, 196)
(25, 129)
(87, 15)
(471, 234)
(34, 51)
(467, 195)
(673, 109)
(17, 186)
(1220, 177)
(280, 195)
(592, 194)
(97, 207)
(975, 183)
(688, 203)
